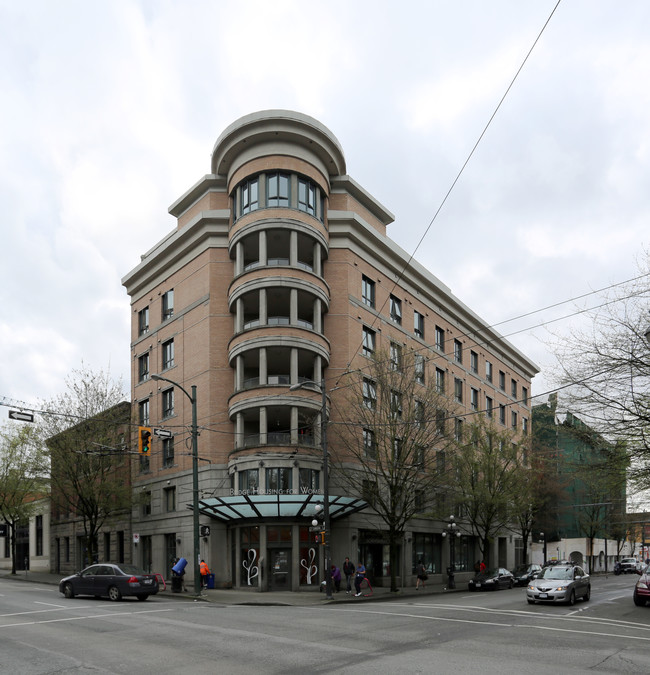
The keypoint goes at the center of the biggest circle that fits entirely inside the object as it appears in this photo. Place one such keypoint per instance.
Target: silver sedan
(560, 583)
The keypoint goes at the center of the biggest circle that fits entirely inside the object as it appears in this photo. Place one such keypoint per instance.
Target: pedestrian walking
(204, 571)
(422, 575)
(359, 576)
(336, 577)
(348, 570)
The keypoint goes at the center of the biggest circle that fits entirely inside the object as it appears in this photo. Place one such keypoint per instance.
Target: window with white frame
(440, 338)
(488, 371)
(143, 367)
(524, 395)
(169, 496)
(502, 413)
(458, 390)
(306, 196)
(168, 305)
(458, 351)
(168, 452)
(369, 444)
(473, 361)
(419, 368)
(368, 341)
(249, 196)
(502, 380)
(488, 406)
(418, 324)
(277, 190)
(395, 356)
(396, 310)
(369, 393)
(143, 321)
(168, 403)
(513, 419)
(367, 291)
(396, 404)
(473, 398)
(458, 429)
(168, 354)
(440, 381)
(143, 412)
(513, 388)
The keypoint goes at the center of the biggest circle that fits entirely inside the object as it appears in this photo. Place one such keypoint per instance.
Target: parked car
(492, 580)
(626, 566)
(559, 583)
(642, 589)
(108, 579)
(523, 574)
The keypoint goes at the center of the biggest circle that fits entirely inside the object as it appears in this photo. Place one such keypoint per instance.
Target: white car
(560, 583)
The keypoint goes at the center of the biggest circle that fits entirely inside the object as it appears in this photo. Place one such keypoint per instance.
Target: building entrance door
(280, 572)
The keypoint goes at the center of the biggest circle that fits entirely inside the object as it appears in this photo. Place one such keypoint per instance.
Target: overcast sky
(111, 110)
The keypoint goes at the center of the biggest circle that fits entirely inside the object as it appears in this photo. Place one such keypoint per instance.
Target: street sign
(22, 416)
(136, 538)
(162, 433)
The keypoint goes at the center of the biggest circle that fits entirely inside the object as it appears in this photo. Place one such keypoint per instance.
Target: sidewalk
(303, 598)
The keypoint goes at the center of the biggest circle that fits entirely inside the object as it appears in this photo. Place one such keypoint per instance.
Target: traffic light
(144, 440)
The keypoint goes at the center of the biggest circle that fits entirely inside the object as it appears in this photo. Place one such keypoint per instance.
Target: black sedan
(524, 574)
(109, 580)
(492, 580)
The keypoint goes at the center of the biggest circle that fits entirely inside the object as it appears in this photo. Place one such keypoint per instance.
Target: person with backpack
(348, 570)
(422, 575)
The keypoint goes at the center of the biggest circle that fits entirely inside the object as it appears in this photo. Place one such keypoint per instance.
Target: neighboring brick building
(279, 272)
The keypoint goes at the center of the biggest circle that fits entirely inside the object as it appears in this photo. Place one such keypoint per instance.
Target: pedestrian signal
(144, 440)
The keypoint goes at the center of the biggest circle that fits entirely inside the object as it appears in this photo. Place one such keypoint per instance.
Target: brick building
(280, 272)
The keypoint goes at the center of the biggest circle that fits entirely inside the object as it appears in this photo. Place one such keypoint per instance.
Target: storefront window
(427, 548)
(463, 554)
(250, 556)
(310, 574)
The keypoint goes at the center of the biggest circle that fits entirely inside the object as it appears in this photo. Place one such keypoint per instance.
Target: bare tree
(487, 465)
(22, 478)
(87, 431)
(392, 440)
(606, 371)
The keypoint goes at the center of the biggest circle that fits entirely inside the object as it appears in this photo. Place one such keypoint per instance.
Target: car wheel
(114, 594)
(68, 591)
(639, 602)
(588, 594)
(572, 598)
(142, 596)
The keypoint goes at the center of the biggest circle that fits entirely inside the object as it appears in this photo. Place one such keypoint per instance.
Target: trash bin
(177, 583)
(210, 580)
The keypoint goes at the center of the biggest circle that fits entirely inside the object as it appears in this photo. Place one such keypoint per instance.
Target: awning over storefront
(256, 507)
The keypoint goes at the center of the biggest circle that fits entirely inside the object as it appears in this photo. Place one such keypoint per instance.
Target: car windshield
(558, 573)
(522, 569)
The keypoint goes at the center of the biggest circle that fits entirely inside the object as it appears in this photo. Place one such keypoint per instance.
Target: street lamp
(326, 489)
(451, 530)
(195, 479)
(543, 536)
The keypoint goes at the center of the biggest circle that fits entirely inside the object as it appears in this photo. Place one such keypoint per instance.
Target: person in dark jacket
(348, 570)
(422, 575)
(336, 577)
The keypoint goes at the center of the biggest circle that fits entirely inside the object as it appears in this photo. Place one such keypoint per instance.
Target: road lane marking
(82, 618)
(48, 604)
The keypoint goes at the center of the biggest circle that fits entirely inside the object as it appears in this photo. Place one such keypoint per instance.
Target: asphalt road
(42, 632)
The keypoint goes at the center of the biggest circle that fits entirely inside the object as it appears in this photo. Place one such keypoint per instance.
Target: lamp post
(326, 489)
(451, 530)
(195, 479)
(543, 536)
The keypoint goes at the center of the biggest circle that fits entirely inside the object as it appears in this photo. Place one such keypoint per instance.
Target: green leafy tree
(390, 441)
(87, 431)
(22, 478)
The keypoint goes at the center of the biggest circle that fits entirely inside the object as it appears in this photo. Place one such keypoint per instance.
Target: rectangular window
(473, 398)
(395, 356)
(39, 535)
(513, 419)
(168, 305)
(368, 341)
(143, 412)
(513, 388)
(502, 380)
(369, 393)
(143, 321)
(418, 324)
(524, 395)
(441, 422)
(368, 291)
(146, 503)
(168, 354)
(488, 371)
(440, 339)
(170, 499)
(143, 367)
(309, 480)
(107, 545)
(168, 403)
(473, 362)
(458, 390)
(524, 425)
(458, 429)
(488, 406)
(168, 452)
(249, 481)
(369, 445)
(120, 546)
(369, 491)
(249, 196)
(396, 310)
(278, 481)
(458, 351)
(440, 381)
(419, 368)
(502, 413)
(277, 190)
(441, 461)
(306, 196)
(396, 404)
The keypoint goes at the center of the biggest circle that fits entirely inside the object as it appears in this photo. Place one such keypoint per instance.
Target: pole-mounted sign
(22, 416)
(162, 433)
